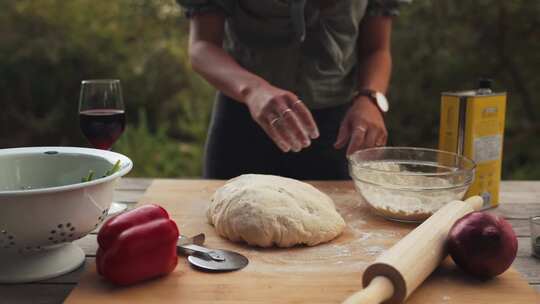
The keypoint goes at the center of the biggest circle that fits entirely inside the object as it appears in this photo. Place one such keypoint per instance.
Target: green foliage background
(48, 46)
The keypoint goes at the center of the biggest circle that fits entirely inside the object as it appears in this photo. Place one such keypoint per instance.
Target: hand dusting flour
(400, 196)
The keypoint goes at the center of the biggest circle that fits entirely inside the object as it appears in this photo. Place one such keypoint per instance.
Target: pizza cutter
(207, 259)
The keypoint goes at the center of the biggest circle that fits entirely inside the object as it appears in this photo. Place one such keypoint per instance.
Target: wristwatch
(378, 99)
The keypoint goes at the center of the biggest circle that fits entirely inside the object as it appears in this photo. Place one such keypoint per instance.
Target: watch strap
(374, 96)
(366, 92)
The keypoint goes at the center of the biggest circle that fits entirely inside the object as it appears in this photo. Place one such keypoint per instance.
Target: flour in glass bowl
(403, 197)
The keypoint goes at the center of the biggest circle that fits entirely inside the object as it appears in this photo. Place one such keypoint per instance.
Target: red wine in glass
(102, 127)
(101, 112)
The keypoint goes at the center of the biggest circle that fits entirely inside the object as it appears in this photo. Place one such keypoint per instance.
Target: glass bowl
(409, 184)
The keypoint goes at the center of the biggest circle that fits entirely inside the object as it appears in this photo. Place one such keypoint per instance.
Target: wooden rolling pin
(401, 269)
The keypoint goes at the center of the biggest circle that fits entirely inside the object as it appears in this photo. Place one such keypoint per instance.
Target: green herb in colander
(111, 171)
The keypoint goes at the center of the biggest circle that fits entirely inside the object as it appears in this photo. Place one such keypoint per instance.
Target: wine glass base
(116, 208)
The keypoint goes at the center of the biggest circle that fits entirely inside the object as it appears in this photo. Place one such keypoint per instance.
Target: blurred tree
(47, 47)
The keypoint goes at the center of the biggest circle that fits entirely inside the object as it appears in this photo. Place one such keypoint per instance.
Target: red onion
(482, 244)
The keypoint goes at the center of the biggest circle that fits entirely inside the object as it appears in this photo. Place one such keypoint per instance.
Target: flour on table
(268, 210)
(374, 250)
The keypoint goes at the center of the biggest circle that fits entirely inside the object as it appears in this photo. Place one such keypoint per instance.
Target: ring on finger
(297, 102)
(361, 128)
(274, 121)
(287, 110)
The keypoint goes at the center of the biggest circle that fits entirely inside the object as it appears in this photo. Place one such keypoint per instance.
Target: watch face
(382, 102)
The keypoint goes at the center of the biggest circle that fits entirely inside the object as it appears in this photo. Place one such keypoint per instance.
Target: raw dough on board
(269, 210)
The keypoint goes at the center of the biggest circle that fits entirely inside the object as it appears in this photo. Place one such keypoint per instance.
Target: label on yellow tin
(487, 148)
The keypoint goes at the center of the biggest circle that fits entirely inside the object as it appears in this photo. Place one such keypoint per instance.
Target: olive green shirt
(311, 51)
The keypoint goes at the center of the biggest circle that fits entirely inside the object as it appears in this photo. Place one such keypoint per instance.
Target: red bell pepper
(137, 245)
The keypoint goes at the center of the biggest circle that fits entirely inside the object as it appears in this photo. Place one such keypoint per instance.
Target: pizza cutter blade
(213, 260)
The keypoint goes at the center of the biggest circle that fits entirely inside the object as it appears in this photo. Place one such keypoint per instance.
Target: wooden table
(520, 200)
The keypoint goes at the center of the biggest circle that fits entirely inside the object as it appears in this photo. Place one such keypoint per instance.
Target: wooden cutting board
(327, 273)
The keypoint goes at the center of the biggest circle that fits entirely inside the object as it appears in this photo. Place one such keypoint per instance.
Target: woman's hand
(363, 127)
(284, 118)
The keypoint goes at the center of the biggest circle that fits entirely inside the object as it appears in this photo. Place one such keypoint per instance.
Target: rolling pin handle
(378, 290)
(476, 202)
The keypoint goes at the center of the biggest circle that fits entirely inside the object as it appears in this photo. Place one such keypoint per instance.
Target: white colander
(44, 206)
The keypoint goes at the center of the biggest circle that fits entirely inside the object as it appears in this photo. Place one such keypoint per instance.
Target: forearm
(374, 57)
(375, 70)
(222, 71)
(278, 112)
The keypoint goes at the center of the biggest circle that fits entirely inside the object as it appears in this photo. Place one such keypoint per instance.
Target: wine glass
(102, 117)
(101, 112)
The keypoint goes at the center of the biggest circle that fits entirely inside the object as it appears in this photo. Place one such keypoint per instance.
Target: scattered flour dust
(374, 250)
(446, 299)
(352, 255)
(402, 204)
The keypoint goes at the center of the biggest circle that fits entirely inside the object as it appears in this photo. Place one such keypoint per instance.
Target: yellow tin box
(472, 124)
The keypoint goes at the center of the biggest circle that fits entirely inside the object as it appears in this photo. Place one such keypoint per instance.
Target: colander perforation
(61, 233)
(31, 249)
(7, 240)
(102, 217)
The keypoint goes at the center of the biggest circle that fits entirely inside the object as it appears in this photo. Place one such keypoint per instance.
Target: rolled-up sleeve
(385, 7)
(197, 7)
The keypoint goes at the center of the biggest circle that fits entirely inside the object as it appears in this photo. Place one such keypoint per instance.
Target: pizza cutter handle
(197, 240)
(202, 252)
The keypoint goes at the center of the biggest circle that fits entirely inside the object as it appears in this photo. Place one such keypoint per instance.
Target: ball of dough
(268, 210)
